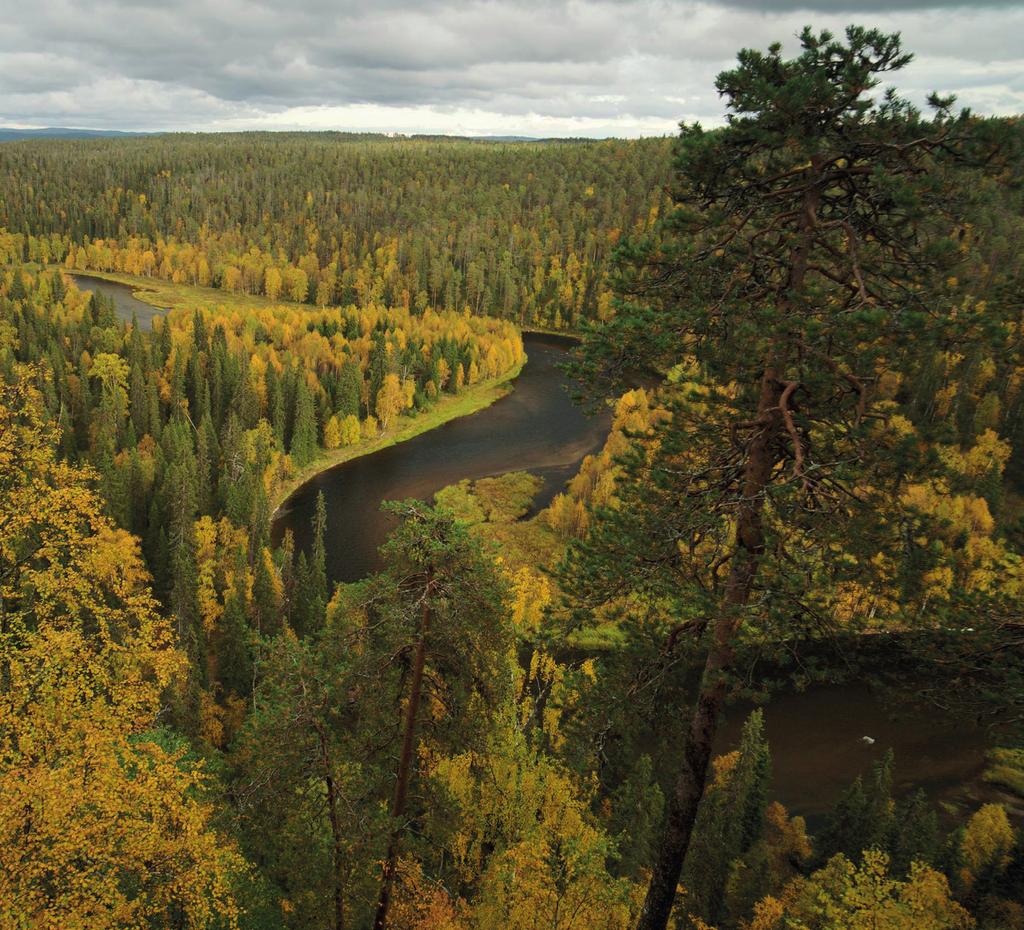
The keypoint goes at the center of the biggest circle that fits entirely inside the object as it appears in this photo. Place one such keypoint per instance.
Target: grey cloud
(866, 6)
(637, 64)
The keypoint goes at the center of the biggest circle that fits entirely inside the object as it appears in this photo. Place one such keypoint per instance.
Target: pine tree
(793, 270)
(465, 639)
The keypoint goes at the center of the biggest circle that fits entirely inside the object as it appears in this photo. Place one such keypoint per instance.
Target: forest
(521, 232)
(805, 328)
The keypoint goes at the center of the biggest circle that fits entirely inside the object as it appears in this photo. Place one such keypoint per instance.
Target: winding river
(816, 736)
(125, 301)
(535, 428)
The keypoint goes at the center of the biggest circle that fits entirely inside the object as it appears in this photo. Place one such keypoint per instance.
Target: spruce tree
(304, 597)
(347, 390)
(234, 665)
(318, 560)
(304, 433)
(265, 603)
(731, 824)
(915, 835)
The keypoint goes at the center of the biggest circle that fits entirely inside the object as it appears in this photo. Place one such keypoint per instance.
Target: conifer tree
(318, 556)
(863, 816)
(234, 658)
(265, 602)
(451, 608)
(304, 434)
(304, 596)
(807, 241)
(100, 825)
(346, 398)
(730, 822)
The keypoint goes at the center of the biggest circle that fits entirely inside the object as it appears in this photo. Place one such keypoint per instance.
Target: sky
(473, 67)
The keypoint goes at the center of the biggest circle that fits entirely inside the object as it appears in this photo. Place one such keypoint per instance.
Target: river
(125, 302)
(535, 428)
(817, 745)
(816, 736)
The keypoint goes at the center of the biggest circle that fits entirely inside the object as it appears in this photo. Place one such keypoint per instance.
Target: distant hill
(59, 132)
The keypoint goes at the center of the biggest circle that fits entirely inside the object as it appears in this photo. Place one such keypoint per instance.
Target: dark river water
(817, 747)
(125, 302)
(535, 428)
(816, 737)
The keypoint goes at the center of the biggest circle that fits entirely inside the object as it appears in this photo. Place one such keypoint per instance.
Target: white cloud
(509, 67)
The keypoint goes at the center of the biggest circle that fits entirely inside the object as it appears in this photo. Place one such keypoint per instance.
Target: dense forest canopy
(807, 328)
(521, 231)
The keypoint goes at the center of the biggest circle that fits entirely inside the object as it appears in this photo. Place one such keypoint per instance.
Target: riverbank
(569, 336)
(534, 428)
(166, 295)
(450, 407)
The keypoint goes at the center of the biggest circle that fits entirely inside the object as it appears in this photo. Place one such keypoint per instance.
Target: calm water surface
(125, 302)
(536, 428)
(817, 747)
(816, 737)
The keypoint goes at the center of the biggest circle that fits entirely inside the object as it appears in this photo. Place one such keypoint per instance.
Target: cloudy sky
(489, 67)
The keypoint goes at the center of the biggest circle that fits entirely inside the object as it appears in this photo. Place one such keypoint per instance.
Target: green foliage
(864, 817)
(304, 439)
(1006, 769)
(520, 231)
(807, 267)
(637, 806)
(844, 896)
(317, 759)
(730, 822)
(503, 499)
(828, 318)
(868, 817)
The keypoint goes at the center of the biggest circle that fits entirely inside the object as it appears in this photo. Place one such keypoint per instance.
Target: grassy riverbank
(166, 295)
(450, 407)
(169, 296)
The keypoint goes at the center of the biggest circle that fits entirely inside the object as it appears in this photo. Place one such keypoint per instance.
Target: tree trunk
(743, 568)
(689, 787)
(332, 813)
(380, 921)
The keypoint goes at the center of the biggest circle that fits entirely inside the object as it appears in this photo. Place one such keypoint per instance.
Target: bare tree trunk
(412, 710)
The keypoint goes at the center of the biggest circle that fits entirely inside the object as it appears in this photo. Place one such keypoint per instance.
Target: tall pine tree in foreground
(805, 260)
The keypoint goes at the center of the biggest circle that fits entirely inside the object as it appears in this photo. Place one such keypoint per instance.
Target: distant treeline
(520, 231)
